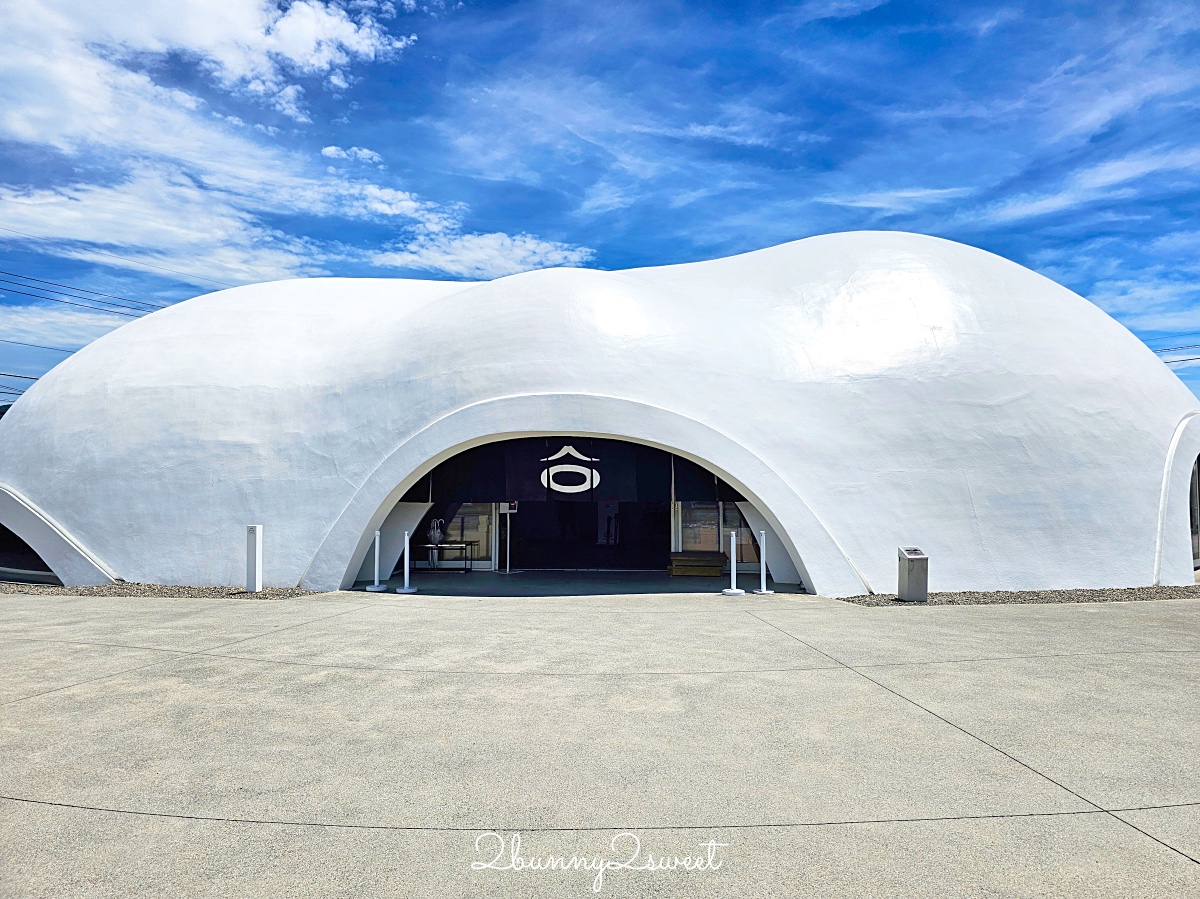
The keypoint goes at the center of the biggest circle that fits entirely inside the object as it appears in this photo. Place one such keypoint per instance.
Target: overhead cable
(38, 346)
(80, 290)
(69, 303)
(115, 256)
(74, 296)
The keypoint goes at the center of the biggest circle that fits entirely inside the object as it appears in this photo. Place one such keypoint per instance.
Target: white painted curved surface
(899, 389)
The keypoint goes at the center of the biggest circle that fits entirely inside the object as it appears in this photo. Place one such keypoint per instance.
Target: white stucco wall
(865, 390)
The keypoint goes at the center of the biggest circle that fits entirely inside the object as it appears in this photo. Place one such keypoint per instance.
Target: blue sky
(158, 150)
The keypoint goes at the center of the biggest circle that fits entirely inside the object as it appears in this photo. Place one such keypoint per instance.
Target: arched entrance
(573, 503)
(825, 567)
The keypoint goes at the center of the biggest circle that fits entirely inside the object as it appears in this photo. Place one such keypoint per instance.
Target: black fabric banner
(693, 483)
(523, 469)
(572, 469)
(614, 464)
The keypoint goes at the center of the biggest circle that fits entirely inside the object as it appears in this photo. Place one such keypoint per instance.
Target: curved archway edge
(824, 565)
(1173, 547)
(74, 565)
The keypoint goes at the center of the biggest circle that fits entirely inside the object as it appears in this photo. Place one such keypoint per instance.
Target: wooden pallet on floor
(698, 564)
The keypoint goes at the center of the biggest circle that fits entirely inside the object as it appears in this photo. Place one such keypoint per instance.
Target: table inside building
(466, 550)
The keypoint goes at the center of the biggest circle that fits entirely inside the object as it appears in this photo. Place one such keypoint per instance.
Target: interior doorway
(627, 536)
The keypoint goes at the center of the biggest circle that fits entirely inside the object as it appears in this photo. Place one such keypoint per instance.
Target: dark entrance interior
(580, 503)
(623, 535)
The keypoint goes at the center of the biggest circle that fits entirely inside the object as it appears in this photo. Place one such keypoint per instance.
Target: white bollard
(377, 587)
(254, 558)
(732, 589)
(762, 563)
(406, 588)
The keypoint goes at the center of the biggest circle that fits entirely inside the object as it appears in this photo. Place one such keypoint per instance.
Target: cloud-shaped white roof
(864, 390)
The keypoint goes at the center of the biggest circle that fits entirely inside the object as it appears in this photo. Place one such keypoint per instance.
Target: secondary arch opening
(20, 562)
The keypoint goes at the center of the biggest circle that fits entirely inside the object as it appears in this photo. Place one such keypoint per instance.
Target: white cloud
(359, 154)
(251, 46)
(55, 326)
(160, 216)
(1097, 182)
(482, 256)
(815, 10)
(901, 200)
(186, 188)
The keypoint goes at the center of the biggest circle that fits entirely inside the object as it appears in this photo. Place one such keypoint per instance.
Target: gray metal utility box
(914, 575)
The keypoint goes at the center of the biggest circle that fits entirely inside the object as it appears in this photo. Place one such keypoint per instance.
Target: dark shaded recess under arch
(20, 561)
(510, 470)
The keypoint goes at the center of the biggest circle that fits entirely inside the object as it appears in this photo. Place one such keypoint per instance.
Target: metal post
(377, 587)
(406, 588)
(762, 563)
(508, 544)
(732, 589)
(254, 558)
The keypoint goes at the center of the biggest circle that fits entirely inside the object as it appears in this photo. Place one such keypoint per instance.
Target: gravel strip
(1129, 594)
(160, 591)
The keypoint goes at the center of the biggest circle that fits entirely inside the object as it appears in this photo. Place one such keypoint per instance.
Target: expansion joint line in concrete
(977, 738)
(769, 825)
(464, 672)
(176, 654)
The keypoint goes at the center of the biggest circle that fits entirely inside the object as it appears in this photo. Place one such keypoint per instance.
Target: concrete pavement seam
(980, 739)
(464, 829)
(1046, 655)
(452, 672)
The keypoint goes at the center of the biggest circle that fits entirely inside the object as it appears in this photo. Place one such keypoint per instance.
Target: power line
(1176, 336)
(1188, 359)
(22, 377)
(69, 303)
(82, 290)
(1173, 349)
(122, 258)
(56, 349)
(74, 296)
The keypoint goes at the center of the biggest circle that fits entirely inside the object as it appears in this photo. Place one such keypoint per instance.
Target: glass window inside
(732, 520)
(473, 523)
(700, 524)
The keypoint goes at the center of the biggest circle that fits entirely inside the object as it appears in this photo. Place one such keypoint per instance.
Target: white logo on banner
(591, 477)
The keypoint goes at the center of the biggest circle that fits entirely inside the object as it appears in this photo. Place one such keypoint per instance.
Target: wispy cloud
(55, 326)
(1105, 180)
(481, 256)
(900, 200)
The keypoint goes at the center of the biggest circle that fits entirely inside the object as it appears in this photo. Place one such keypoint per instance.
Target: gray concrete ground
(358, 745)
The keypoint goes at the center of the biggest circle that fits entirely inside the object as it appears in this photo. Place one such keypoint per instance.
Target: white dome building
(850, 393)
